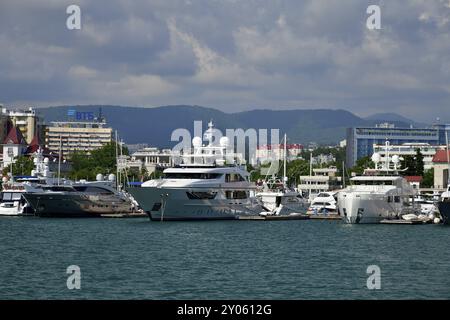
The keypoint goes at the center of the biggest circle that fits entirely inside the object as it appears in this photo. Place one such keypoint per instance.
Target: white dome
(376, 157)
(395, 159)
(4, 179)
(35, 160)
(99, 177)
(111, 177)
(224, 142)
(197, 142)
(45, 160)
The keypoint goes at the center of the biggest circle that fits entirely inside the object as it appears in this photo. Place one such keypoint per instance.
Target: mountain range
(155, 125)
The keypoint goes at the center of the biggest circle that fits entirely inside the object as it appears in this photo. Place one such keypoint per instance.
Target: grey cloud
(230, 54)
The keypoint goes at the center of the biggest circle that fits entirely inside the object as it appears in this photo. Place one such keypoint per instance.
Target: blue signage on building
(85, 116)
(89, 116)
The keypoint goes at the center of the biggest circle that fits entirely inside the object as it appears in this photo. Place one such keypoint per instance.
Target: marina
(240, 153)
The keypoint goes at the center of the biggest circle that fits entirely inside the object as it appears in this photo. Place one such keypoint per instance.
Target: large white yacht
(324, 202)
(204, 186)
(379, 194)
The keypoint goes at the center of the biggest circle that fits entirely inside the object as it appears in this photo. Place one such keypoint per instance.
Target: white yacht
(282, 202)
(324, 202)
(379, 194)
(202, 187)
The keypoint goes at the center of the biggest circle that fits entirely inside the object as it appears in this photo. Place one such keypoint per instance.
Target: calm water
(139, 259)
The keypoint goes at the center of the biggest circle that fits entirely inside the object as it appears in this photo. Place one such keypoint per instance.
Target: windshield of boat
(373, 182)
(11, 196)
(57, 188)
(92, 190)
(323, 195)
(191, 175)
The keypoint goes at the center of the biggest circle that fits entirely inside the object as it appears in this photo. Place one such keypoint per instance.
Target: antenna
(284, 162)
(100, 115)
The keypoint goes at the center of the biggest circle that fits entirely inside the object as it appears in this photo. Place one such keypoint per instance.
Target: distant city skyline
(230, 55)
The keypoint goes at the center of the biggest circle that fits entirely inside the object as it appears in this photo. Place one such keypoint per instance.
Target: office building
(360, 140)
(77, 136)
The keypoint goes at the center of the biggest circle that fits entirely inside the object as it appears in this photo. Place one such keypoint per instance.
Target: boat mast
(310, 173)
(284, 163)
(59, 159)
(343, 174)
(448, 157)
(117, 166)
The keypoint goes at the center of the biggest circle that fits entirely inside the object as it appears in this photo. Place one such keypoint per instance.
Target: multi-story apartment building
(77, 136)
(27, 121)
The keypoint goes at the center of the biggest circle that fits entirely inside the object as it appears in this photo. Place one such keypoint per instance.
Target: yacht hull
(365, 208)
(75, 205)
(172, 204)
(444, 210)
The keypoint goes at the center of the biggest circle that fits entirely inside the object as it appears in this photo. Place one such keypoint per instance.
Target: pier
(290, 217)
(325, 217)
(405, 222)
(124, 215)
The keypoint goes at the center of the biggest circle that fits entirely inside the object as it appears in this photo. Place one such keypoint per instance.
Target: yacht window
(234, 177)
(91, 189)
(7, 195)
(323, 195)
(58, 188)
(397, 199)
(201, 195)
(389, 199)
(16, 196)
(191, 175)
(236, 194)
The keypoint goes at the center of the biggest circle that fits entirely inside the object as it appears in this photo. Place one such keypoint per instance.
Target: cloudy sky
(232, 55)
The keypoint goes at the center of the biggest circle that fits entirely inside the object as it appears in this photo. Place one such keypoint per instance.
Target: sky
(233, 55)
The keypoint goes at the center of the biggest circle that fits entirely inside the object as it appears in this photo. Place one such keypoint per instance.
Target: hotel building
(77, 136)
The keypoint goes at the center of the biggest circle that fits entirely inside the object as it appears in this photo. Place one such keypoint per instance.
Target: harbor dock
(290, 217)
(124, 215)
(404, 222)
(325, 217)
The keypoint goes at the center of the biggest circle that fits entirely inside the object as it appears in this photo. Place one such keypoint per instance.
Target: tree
(295, 169)
(419, 164)
(428, 179)
(102, 160)
(21, 166)
(362, 164)
(409, 165)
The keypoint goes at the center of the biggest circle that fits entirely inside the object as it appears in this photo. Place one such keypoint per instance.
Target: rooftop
(441, 156)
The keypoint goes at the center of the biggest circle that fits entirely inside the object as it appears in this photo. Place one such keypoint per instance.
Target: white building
(322, 159)
(409, 149)
(13, 146)
(151, 159)
(322, 180)
(269, 152)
